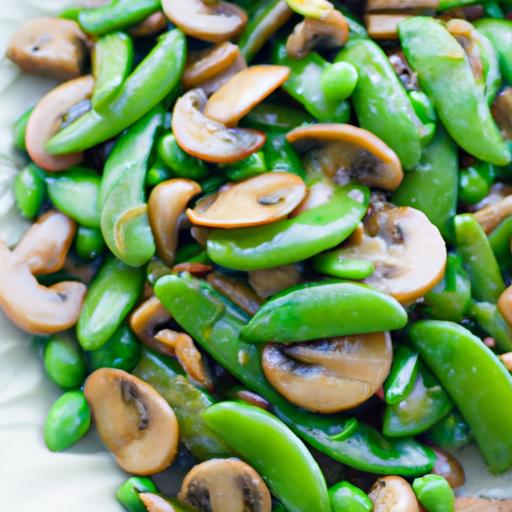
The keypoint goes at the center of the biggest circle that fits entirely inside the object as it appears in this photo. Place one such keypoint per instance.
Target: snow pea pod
(304, 85)
(291, 240)
(247, 168)
(181, 163)
(402, 377)
(124, 220)
(112, 61)
(452, 432)
(151, 81)
(280, 155)
(116, 15)
(332, 263)
(30, 190)
(445, 75)
(271, 116)
(473, 245)
(478, 383)
(272, 449)
(491, 320)
(432, 185)
(111, 296)
(381, 102)
(215, 324)
(75, 192)
(499, 239)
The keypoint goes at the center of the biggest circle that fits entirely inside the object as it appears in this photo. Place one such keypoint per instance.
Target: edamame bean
(64, 362)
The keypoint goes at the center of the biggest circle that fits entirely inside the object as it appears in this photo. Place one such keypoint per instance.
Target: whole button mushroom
(393, 494)
(135, 423)
(225, 485)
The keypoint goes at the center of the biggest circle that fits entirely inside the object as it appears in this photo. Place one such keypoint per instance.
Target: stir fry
(271, 247)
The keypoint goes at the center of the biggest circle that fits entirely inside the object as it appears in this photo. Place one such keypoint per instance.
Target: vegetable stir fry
(271, 247)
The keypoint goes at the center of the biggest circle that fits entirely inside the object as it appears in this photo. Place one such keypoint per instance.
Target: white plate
(85, 478)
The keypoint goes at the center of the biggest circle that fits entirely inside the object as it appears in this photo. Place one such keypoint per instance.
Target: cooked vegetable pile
(271, 247)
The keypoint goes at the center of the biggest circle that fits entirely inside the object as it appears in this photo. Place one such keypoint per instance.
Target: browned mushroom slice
(467, 37)
(407, 250)
(155, 503)
(51, 47)
(206, 139)
(134, 422)
(329, 32)
(448, 467)
(384, 26)
(380, 5)
(502, 111)
(166, 203)
(505, 305)
(151, 26)
(506, 359)
(225, 485)
(34, 308)
(252, 399)
(344, 152)
(147, 320)
(491, 215)
(473, 504)
(329, 375)
(192, 267)
(244, 91)
(259, 200)
(46, 244)
(47, 118)
(393, 494)
(215, 83)
(268, 282)
(209, 21)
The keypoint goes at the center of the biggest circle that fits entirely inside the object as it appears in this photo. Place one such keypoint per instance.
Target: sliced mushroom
(505, 305)
(259, 200)
(239, 293)
(34, 308)
(393, 494)
(319, 193)
(502, 111)
(166, 204)
(147, 320)
(467, 37)
(210, 21)
(329, 375)
(490, 216)
(47, 118)
(155, 503)
(51, 47)
(154, 24)
(252, 399)
(225, 485)
(192, 267)
(46, 244)
(407, 250)
(384, 26)
(206, 139)
(506, 359)
(268, 282)
(380, 5)
(448, 467)
(215, 83)
(331, 31)
(135, 423)
(498, 192)
(344, 152)
(244, 91)
(473, 504)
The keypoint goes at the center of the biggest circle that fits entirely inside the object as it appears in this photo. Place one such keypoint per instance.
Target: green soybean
(64, 362)
(30, 190)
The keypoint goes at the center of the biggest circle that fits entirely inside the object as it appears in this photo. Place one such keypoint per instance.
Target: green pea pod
(446, 77)
(478, 383)
(450, 299)
(112, 61)
(323, 310)
(450, 4)
(499, 33)
(247, 168)
(124, 221)
(423, 408)
(432, 186)
(499, 239)
(187, 401)
(157, 173)
(68, 420)
(291, 240)
(75, 192)
(30, 190)
(304, 86)
(490, 66)
(128, 493)
(402, 377)
(422, 106)
(64, 362)
(486, 282)
(116, 15)
(271, 116)
(333, 263)
(280, 155)
(215, 324)
(452, 432)
(473, 187)
(181, 163)
(434, 493)
(112, 294)
(381, 102)
(346, 497)
(89, 243)
(19, 128)
(491, 320)
(151, 81)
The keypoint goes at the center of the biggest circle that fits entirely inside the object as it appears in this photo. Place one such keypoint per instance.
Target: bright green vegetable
(271, 116)
(30, 190)
(499, 239)
(182, 164)
(473, 187)
(64, 362)
(339, 81)
(128, 493)
(422, 106)
(19, 128)
(346, 497)
(434, 493)
(402, 377)
(452, 432)
(247, 168)
(491, 320)
(280, 155)
(89, 242)
(333, 263)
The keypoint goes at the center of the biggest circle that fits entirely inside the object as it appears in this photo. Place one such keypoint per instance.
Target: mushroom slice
(155, 503)
(51, 47)
(505, 305)
(407, 250)
(329, 375)
(147, 320)
(208, 140)
(269, 281)
(225, 485)
(34, 308)
(384, 26)
(243, 92)
(379, 5)
(393, 494)
(166, 203)
(329, 32)
(493, 214)
(344, 152)
(47, 118)
(151, 26)
(210, 21)
(502, 112)
(259, 200)
(473, 504)
(135, 423)
(46, 244)
(448, 467)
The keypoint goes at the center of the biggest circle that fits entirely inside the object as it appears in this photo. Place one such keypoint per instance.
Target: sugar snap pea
(247, 168)
(434, 493)
(452, 432)
(488, 316)
(499, 238)
(64, 362)
(30, 190)
(180, 163)
(89, 242)
(128, 493)
(273, 116)
(280, 155)
(19, 128)
(346, 497)
(402, 377)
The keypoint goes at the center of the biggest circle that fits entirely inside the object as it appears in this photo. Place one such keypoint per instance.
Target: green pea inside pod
(89, 243)
(128, 493)
(346, 497)
(68, 420)
(434, 493)
(30, 190)
(64, 362)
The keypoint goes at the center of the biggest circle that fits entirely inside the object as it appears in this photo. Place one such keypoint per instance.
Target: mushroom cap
(384, 26)
(344, 152)
(135, 423)
(206, 139)
(225, 485)
(147, 319)
(214, 23)
(393, 494)
(262, 199)
(329, 375)
(448, 467)
(151, 26)
(244, 91)
(493, 214)
(46, 119)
